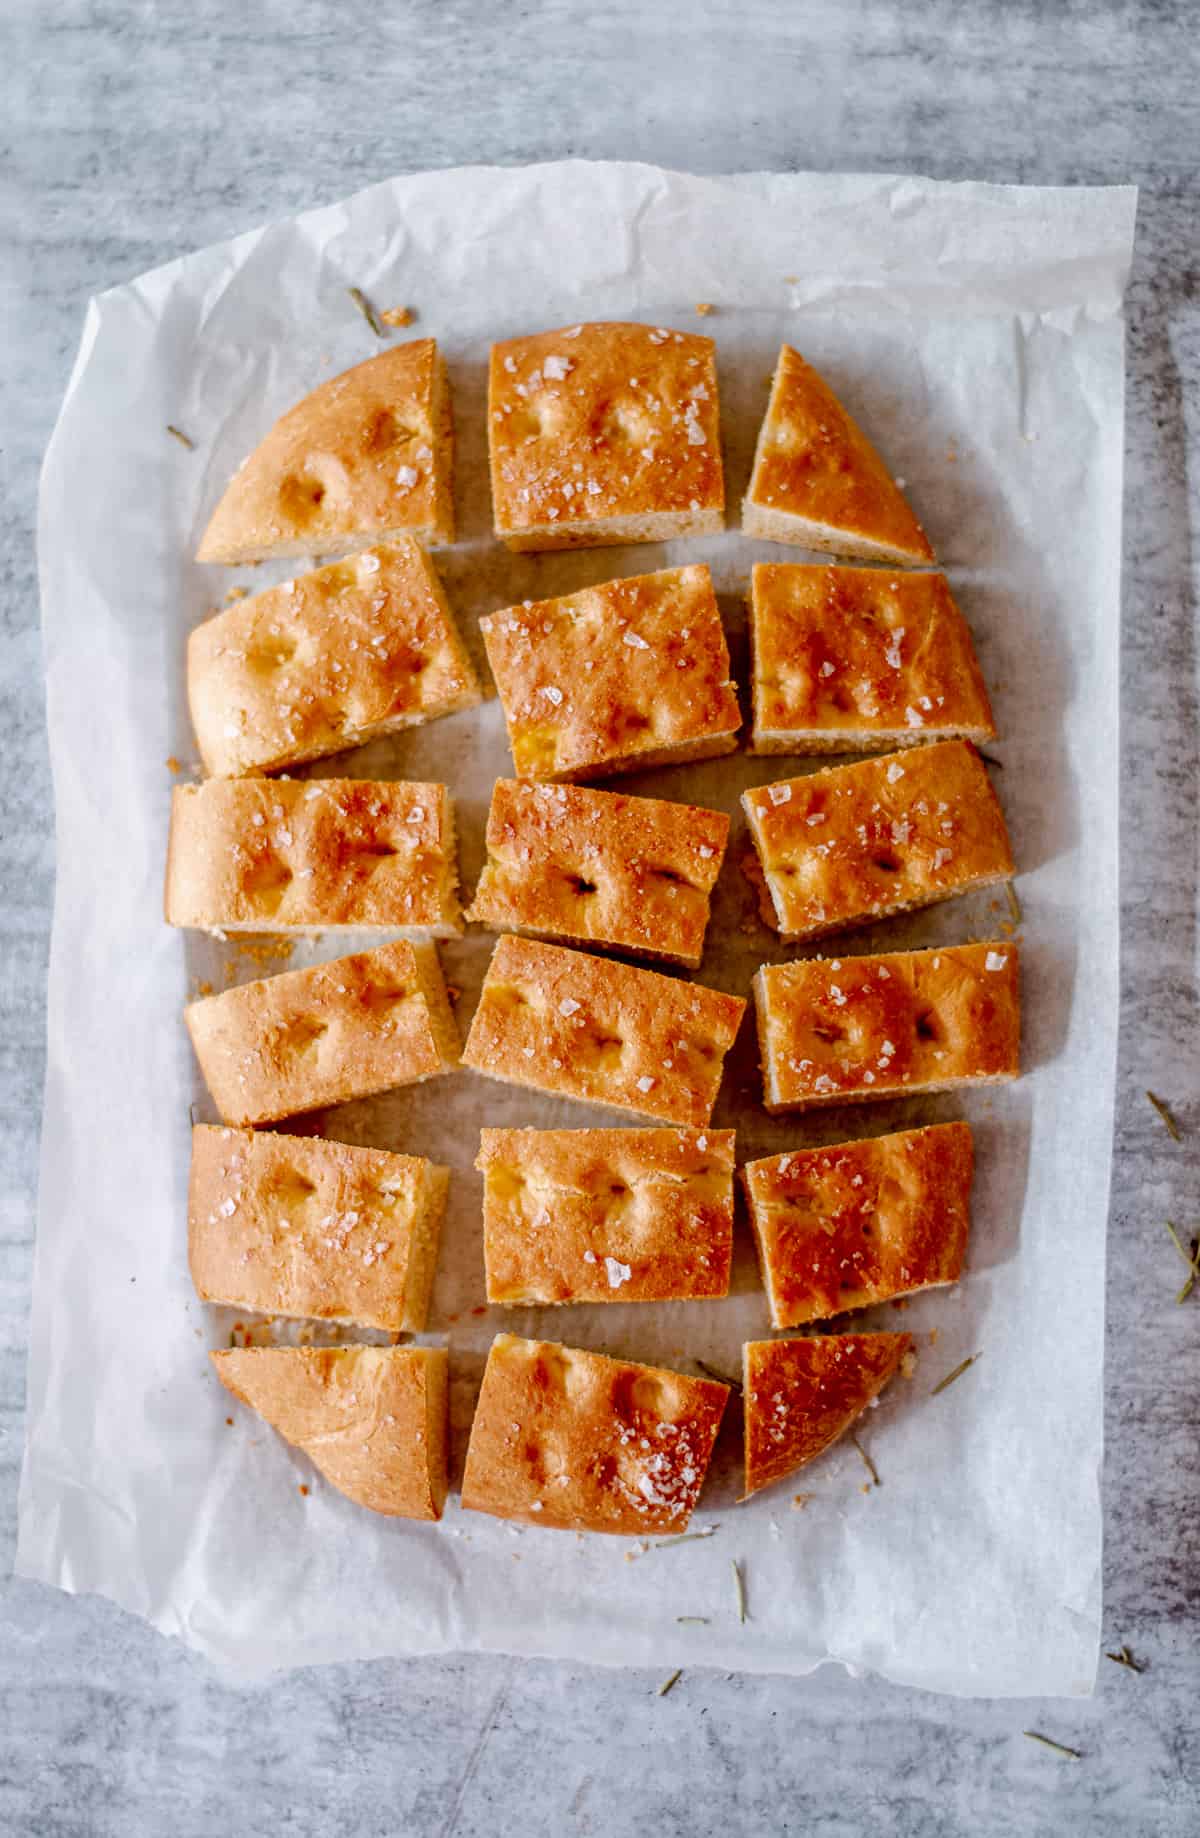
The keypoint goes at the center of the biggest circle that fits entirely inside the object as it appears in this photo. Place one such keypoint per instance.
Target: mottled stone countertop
(134, 132)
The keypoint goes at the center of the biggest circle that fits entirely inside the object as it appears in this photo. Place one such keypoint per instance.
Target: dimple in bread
(819, 482)
(580, 1442)
(860, 1222)
(604, 433)
(799, 1396)
(373, 1420)
(365, 457)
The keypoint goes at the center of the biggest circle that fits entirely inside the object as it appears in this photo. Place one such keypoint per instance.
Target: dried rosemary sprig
(722, 1378)
(739, 1589)
(1123, 1657)
(868, 1464)
(702, 1621)
(664, 1544)
(1164, 1111)
(989, 761)
(367, 310)
(956, 1374)
(1014, 905)
(179, 435)
(668, 1682)
(1192, 1260)
(1060, 1748)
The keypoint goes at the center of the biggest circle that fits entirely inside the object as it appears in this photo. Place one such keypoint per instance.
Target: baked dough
(860, 1222)
(600, 868)
(604, 434)
(606, 1215)
(371, 1419)
(615, 678)
(841, 1030)
(583, 1443)
(801, 1395)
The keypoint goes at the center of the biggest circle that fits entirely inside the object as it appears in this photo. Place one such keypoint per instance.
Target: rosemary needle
(1123, 1657)
(668, 1682)
(720, 1377)
(1164, 1111)
(1192, 1261)
(868, 1464)
(739, 1590)
(956, 1374)
(1014, 905)
(1060, 1748)
(702, 1621)
(179, 435)
(367, 310)
(663, 1544)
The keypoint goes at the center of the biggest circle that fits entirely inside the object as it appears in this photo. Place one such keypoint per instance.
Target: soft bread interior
(782, 526)
(430, 1207)
(607, 532)
(441, 1016)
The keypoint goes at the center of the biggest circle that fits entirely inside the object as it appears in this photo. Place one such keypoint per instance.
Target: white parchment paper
(977, 332)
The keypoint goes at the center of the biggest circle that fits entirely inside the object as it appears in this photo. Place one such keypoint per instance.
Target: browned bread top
(801, 1395)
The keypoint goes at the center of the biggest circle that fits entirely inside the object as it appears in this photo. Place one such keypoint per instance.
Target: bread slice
(799, 1396)
(819, 482)
(366, 457)
(860, 660)
(363, 647)
(842, 1030)
(857, 843)
(604, 434)
(600, 868)
(606, 1215)
(296, 1226)
(340, 1030)
(860, 1222)
(583, 1443)
(586, 1027)
(616, 678)
(373, 1420)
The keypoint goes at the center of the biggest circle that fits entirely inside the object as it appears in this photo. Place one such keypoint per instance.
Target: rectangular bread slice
(842, 1030)
(600, 868)
(860, 1222)
(859, 660)
(615, 678)
(315, 1230)
(337, 1031)
(857, 843)
(606, 1215)
(583, 1443)
(586, 1027)
(326, 855)
(364, 647)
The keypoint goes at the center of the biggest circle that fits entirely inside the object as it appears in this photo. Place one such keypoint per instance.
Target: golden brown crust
(371, 1419)
(270, 855)
(606, 1215)
(815, 468)
(801, 1395)
(600, 868)
(604, 433)
(860, 658)
(337, 1031)
(365, 646)
(587, 1027)
(625, 675)
(296, 1226)
(367, 455)
(837, 1029)
(583, 1443)
(860, 1222)
(855, 843)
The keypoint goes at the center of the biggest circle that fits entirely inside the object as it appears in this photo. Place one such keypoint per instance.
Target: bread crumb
(933, 1336)
(173, 765)
(229, 1421)
(236, 593)
(304, 1489)
(704, 308)
(397, 315)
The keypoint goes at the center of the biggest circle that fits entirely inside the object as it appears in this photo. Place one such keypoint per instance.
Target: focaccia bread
(604, 434)
(840, 1030)
(584, 1443)
(819, 482)
(606, 1215)
(860, 1222)
(860, 660)
(615, 678)
(373, 1420)
(587, 1027)
(367, 456)
(600, 868)
(801, 1395)
(297, 1226)
(856, 843)
(336, 1031)
(267, 855)
(328, 661)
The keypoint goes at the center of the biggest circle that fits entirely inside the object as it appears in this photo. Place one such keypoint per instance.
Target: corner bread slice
(586, 1027)
(373, 1420)
(600, 868)
(606, 1215)
(616, 678)
(860, 1222)
(315, 1230)
(258, 855)
(584, 1443)
(799, 1396)
(326, 662)
(842, 1030)
(856, 843)
(366, 457)
(860, 660)
(604, 434)
(819, 482)
(337, 1031)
